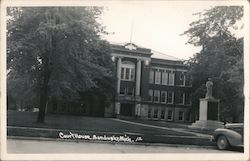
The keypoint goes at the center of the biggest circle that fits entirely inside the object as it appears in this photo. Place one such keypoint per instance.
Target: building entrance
(127, 109)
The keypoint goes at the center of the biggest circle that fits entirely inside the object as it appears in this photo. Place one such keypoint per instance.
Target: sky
(154, 26)
(157, 26)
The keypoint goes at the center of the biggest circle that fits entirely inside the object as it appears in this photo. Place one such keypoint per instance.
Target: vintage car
(231, 135)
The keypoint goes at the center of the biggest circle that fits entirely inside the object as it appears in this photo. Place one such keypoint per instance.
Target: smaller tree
(221, 58)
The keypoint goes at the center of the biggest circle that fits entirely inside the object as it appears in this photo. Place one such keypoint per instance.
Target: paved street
(34, 146)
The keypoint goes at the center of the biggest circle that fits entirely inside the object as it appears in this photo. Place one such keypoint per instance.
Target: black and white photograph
(125, 80)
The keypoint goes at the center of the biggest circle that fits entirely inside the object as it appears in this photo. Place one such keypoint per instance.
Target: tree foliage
(221, 58)
(57, 52)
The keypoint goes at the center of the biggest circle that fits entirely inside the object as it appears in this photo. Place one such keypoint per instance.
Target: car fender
(234, 138)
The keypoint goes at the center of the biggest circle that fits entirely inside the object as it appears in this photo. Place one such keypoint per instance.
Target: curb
(148, 139)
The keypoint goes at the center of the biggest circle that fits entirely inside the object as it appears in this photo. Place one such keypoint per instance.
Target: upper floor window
(180, 97)
(180, 78)
(187, 98)
(170, 97)
(171, 78)
(151, 76)
(188, 80)
(163, 96)
(157, 77)
(156, 96)
(128, 71)
(164, 78)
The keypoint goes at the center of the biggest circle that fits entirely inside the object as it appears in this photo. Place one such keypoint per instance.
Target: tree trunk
(44, 91)
(43, 99)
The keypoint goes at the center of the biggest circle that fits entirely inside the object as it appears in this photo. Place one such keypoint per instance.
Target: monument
(209, 111)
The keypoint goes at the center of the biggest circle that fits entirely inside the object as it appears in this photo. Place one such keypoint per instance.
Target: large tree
(57, 53)
(221, 58)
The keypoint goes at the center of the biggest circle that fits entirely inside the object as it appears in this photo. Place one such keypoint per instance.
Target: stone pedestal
(209, 115)
(209, 109)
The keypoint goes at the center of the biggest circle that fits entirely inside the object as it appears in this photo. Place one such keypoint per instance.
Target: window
(151, 76)
(126, 91)
(128, 71)
(170, 115)
(156, 113)
(164, 78)
(170, 97)
(150, 94)
(188, 81)
(156, 96)
(122, 73)
(188, 116)
(163, 96)
(130, 91)
(188, 99)
(122, 90)
(180, 78)
(180, 97)
(162, 114)
(171, 79)
(181, 115)
(157, 77)
(149, 112)
(132, 74)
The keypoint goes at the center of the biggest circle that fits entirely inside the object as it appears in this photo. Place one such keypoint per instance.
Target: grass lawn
(82, 123)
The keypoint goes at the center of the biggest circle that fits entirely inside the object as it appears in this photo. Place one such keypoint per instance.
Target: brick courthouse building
(150, 85)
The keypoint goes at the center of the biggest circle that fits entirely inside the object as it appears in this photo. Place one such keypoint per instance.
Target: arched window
(128, 71)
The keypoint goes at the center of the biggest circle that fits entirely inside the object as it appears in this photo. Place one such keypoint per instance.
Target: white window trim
(166, 78)
(159, 96)
(166, 97)
(164, 114)
(172, 113)
(156, 118)
(172, 77)
(128, 65)
(183, 99)
(183, 114)
(157, 73)
(151, 76)
(184, 80)
(190, 101)
(172, 98)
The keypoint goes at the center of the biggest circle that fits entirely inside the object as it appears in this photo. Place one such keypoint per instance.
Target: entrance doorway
(127, 109)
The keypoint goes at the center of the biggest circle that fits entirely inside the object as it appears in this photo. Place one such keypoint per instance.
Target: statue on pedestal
(209, 85)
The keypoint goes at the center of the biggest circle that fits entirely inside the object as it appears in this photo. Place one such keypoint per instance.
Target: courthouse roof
(155, 54)
(159, 55)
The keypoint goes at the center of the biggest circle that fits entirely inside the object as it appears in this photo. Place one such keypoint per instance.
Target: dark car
(231, 135)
